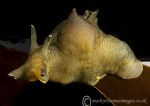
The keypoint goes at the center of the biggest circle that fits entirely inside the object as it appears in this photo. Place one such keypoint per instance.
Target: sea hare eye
(43, 72)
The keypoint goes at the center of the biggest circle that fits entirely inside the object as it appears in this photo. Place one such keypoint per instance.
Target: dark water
(54, 94)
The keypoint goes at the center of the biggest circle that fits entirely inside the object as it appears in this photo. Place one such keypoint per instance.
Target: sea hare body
(77, 50)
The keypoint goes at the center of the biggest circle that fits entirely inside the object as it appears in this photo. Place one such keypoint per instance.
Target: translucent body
(79, 51)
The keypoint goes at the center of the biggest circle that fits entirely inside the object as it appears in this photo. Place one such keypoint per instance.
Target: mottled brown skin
(78, 51)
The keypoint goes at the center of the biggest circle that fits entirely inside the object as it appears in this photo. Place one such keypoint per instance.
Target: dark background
(129, 21)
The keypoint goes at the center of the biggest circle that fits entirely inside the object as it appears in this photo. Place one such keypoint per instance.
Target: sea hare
(77, 50)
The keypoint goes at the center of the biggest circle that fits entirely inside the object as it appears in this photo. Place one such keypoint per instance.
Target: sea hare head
(34, 68)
